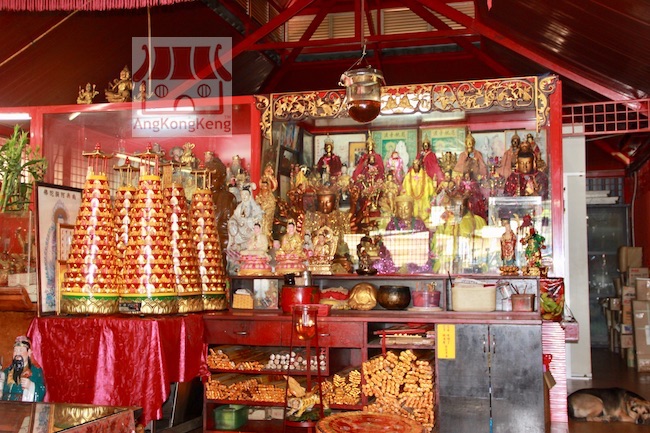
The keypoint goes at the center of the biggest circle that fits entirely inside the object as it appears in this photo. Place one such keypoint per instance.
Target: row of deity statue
(430, 181)
(317, 242)
(118, 90)
(261, 233)
(532, 242)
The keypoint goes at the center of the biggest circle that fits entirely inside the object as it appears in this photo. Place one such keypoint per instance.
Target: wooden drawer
(341, 334)
(245, 332)
(333, 334)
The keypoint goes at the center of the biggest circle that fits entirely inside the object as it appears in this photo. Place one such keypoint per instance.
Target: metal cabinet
(494, 380)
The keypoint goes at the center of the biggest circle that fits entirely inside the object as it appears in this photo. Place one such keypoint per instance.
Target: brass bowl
(394, 297)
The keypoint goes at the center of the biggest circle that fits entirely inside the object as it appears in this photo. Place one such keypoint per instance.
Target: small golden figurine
(87, 94)
(368, 252)
(120, 89)
(325, 246)
(142, 92)
(188, 158)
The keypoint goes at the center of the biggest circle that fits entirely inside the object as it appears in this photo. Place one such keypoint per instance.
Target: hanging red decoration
(85, 5)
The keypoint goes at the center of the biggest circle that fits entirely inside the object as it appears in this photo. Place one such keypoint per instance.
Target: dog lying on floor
(608, 405)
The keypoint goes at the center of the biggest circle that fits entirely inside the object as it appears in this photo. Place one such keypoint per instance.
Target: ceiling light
(15, 116)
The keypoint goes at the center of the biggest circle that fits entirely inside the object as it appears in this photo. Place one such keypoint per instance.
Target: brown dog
(607, 405)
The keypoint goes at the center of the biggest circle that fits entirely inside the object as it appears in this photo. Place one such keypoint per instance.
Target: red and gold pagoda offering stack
(214, 282)
(122, 207)
(149, 283)
(89, 279)
(184, 255)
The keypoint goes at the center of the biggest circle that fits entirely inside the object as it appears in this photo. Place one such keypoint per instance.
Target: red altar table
(117, 360)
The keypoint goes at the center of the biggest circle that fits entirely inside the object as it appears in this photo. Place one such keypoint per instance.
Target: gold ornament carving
(415, 98)
(89, 305)
(315, 105)
(66, 415)
(482, 95)
(508, 93)
(162, 305)
(190, 304)
(262, 103)
(215, 302)
(545, 87)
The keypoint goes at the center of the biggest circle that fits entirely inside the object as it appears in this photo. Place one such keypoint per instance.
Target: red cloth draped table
(118, 360)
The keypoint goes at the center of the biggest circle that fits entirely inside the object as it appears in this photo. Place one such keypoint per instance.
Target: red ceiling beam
(353, 46)
(267, 28)
(247, 42)
(615, 153)
(402, 39)
(338, 43)
(373, 29)
(436, 22)
(342, 6)
(358, 28)
(430, 35)
(520, 49)
(291, 58)
(344, 63)
(309, 32)
(278, 6)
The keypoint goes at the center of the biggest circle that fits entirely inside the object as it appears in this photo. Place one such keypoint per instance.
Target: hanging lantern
(363, 91)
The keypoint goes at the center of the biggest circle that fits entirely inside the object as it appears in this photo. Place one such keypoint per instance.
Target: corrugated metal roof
(393, 21)
(397, 21)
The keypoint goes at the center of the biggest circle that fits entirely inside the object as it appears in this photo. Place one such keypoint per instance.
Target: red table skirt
(118, 360)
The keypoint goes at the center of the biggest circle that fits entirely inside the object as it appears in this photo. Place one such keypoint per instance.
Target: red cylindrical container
(423, 299)
(298, 295)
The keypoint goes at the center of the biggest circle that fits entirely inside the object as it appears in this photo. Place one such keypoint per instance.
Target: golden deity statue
(87, 94)
(120, 89)
(290, 257)
(325, 245)
(327, 214)
(418, 185)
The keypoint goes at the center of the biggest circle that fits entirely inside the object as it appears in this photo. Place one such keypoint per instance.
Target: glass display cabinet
(120, 129)
(424, 122)
(472, 156)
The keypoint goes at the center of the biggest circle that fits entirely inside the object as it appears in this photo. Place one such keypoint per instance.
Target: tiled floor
(609, 370)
